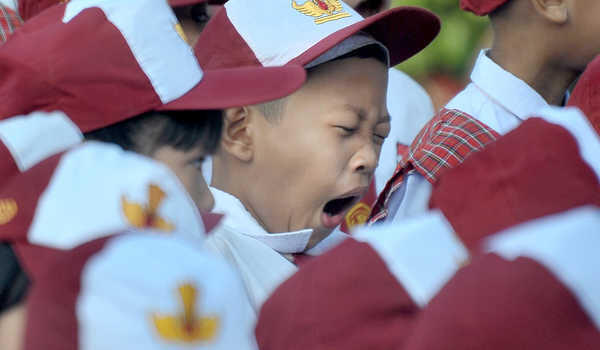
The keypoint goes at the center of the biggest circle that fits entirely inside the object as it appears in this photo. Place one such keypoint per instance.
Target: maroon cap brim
(224, 88)
(404, 30)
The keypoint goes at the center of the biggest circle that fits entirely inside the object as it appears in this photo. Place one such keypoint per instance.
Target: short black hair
(182, 130)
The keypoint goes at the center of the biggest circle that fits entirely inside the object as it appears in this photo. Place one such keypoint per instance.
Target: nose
(365, 160)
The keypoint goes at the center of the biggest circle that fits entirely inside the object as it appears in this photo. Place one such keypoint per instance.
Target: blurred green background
(443, 67)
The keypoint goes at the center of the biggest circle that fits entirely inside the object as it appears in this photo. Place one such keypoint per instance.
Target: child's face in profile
(187, 165)
(318, 160)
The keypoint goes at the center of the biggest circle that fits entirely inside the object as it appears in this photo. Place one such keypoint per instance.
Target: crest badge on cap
(146, 216)
(8, 210)
(323, 10)
(358, 215)
(187, 326)
(181, 33)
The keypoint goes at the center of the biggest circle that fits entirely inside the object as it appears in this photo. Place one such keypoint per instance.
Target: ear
(237, 133)
(556, 11)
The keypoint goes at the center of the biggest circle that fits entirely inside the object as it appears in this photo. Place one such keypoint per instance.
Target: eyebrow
(362, 114)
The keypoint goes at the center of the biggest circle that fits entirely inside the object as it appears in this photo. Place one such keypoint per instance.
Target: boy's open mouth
(334, 210)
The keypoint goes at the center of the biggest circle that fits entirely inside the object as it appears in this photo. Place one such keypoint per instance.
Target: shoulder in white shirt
(495, 97)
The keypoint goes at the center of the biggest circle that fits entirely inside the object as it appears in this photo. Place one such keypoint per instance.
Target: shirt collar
(238, 219)
(505, 89)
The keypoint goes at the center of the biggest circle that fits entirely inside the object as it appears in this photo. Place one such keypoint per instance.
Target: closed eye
(346, 130)
(379, 139)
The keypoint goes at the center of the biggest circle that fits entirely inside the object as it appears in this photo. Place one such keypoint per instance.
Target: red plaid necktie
(444, 142)
(9, 22)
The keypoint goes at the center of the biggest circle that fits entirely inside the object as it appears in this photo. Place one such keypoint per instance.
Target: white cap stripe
(157, 48)
(36, 136)
(567, 244)
(421, 267)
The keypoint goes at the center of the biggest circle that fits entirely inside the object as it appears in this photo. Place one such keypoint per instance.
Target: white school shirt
(12, 4)
(498, 99)
(255, 253)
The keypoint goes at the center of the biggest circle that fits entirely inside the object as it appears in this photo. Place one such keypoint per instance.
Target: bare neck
(224, 179)
(533, 65)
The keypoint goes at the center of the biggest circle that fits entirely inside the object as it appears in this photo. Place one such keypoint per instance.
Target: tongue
(332, 221)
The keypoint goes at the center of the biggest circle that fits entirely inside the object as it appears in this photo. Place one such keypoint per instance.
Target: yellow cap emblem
(358, 215)
(322, 10)
(181, 33)
(186, 326)
(8, 210)
(146, 216)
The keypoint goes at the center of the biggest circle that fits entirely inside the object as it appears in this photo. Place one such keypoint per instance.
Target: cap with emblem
(139, 290)
(276, 33)
(54, 63)
(481, 7)
(78, 196)
(586, 95)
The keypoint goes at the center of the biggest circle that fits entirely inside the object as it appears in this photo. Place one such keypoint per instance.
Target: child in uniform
(288, 170)
(539, 49)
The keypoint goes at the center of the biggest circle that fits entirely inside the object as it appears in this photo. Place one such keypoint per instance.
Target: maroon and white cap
(139, 290)
(93, 190)
(103, 61)
(379, 285)
(280, 32)
(536, 288)
(30, 8)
